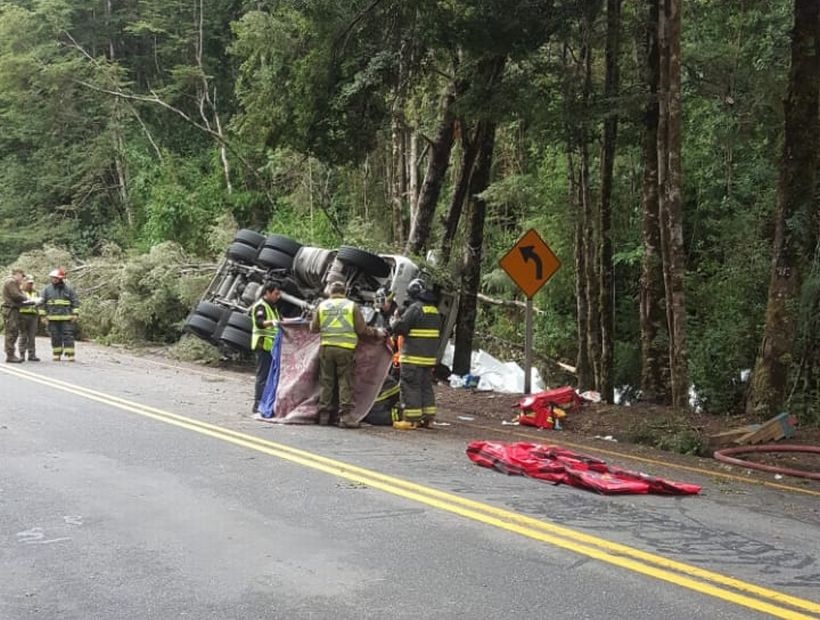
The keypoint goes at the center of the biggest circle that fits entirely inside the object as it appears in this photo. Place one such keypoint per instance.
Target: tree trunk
(437, 165)
(469, 149)
(669, 181)
(412, 161)
(398, 186)
(585, 374)
(608, 145)
(651, 285)
(471, 276)
(795, 203)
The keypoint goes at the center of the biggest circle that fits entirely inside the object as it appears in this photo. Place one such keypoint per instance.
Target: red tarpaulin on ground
(559, 465)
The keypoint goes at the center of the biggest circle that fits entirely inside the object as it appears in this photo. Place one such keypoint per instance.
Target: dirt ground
(633, 429)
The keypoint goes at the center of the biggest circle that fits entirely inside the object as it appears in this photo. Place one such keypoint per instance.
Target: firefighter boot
(346, 421)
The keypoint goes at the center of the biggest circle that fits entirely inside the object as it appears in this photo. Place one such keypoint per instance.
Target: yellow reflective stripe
(412, 413)
(58, 302)
(388, 393)
(429, 310)
(423, 333)
(59, 317)
(417, 360)
(428, 410)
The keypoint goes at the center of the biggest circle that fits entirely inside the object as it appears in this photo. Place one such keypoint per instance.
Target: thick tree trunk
(437, 165)
(469, 149)
(471, 275)
(585, 374)
(608, 145)
(795, 202)
(412, 161)
(651, 286)
(669, 180)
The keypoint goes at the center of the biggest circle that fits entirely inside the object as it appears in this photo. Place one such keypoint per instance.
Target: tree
(794, 235)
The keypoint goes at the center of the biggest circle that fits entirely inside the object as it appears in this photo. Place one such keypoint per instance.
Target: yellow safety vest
(266, 334)
(29, 309)
(336, 328)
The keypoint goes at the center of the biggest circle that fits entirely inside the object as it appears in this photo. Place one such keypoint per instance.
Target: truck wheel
(235, 338)
(242, 253)
(283, 244)
(249, 237)
(241, 321)
(210, 310)
(270, 258)
(369, 263)
(200, 326)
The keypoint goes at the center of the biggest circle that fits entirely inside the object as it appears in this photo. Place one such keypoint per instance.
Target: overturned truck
(222, 316)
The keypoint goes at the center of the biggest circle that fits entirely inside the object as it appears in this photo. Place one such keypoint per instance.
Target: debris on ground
(491, 374)
(546, 409)
(779, 427)
(562, 466)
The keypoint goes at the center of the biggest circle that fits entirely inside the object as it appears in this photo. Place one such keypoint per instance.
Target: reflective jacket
(262, 311)
(337, 323)
(421, 327)
(29, 309)
(59, 302)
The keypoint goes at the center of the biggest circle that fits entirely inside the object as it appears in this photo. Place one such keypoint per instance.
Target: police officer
(340, 323)
(265, 327)
(29, 321)
(420, 327)
(13, 300)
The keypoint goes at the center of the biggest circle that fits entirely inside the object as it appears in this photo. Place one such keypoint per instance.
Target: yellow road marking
(562, 537)
(561, 442)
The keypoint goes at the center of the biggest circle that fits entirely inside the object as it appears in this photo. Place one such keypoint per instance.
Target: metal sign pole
(528, 348)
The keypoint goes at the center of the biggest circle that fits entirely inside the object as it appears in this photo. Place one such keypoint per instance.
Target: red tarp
(560, 465)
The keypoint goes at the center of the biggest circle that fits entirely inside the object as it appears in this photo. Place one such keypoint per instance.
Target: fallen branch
(506, 302)
(515, 345)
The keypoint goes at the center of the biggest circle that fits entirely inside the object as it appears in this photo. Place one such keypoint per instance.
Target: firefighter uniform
(420, 326)
(262, 338)
(29, 321)
(60, 307)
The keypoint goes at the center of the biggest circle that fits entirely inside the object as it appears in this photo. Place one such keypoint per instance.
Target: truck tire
(200, 326)
(235, 338)
(242, 253)
(240, 321)
(210, 310)
(270, 258)
(283, 244)
(370, 264)
(249, 237)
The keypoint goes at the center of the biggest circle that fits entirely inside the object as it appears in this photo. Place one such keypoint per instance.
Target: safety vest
(336, 328)
(421, 343)
(29, 309)
(266, 334)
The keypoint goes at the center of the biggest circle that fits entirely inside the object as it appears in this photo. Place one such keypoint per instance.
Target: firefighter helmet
(58, 273)
(415, 288)
(383, 295)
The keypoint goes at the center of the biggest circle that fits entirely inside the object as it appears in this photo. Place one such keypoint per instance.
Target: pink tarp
(559, 465)
(297, 391)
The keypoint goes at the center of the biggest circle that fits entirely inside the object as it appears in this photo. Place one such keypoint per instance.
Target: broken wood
(778, 427)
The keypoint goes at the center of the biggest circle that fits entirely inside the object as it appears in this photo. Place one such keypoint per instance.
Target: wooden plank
(778, 427)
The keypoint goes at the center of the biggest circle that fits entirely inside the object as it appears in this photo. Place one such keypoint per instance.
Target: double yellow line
(764, 600)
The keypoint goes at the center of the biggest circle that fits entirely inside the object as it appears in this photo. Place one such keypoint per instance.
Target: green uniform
(13, 298)
(29, 321)
(338, 339)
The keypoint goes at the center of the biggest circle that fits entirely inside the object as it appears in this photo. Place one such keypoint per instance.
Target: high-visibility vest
(265, 334)
(29, 309)
(336, 328)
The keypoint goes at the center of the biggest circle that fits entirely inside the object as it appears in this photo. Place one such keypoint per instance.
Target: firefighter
(385, 308)
(265, 327)
(340, 323)
(29, 321)
(420, 328)
(13, 300)
(60, 307)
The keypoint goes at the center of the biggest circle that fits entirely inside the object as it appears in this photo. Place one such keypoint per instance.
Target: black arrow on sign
(528, 254)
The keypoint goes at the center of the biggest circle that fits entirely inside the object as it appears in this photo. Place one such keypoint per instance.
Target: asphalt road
(130, 488)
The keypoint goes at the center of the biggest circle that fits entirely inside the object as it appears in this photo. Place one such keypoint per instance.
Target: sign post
(529, 263)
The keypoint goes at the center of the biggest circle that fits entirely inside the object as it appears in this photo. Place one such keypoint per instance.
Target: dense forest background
(667, 158)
